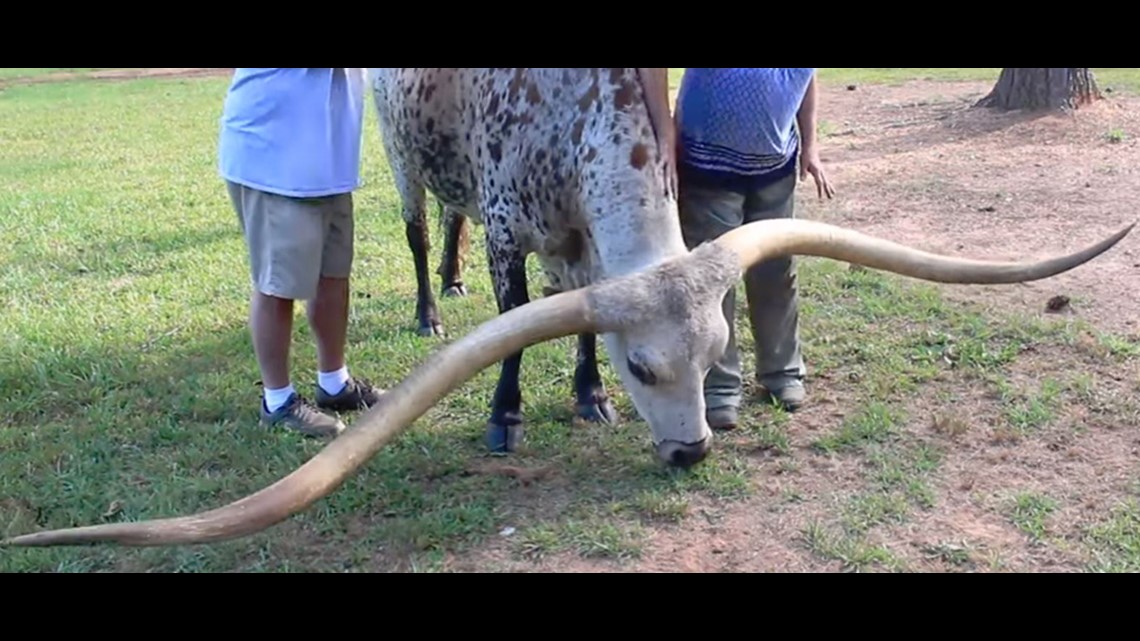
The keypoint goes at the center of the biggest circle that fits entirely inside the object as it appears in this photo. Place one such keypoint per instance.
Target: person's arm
(809, 148)
(655, 82)
(806, 118)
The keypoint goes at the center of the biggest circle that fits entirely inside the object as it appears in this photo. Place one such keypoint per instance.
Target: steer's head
(670, 329)
(664, 325)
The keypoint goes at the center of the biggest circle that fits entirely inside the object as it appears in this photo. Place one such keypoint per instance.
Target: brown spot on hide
(532, 95)
(517, 83)
(576, 134)
(589, 97)
(639, 157)
(625, 96)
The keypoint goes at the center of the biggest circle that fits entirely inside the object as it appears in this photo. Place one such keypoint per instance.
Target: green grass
(11, 73)
(1116, 540)
(1030, 513)
(130, 383)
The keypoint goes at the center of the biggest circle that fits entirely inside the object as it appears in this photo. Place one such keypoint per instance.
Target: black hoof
(502, 439)
(602, 412)
(458, 290)
(435, 329)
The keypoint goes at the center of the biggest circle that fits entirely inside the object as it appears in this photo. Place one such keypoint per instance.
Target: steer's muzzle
(677, 454)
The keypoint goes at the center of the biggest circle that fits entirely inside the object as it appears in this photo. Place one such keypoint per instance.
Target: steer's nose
(678, 454)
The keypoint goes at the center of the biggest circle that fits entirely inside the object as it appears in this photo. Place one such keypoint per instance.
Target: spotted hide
(571, 164)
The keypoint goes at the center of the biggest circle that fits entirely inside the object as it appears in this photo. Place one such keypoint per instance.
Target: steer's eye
(641, 372)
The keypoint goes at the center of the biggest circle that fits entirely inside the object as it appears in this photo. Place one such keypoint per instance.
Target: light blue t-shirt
(294, 131)
(740, 121)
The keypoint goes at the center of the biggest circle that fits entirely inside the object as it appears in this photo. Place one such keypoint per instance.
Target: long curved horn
(541, 320)
(756, 242)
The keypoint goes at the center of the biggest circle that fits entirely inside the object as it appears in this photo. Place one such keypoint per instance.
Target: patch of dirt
(916, 165)
(1083, 465)
(121, 74)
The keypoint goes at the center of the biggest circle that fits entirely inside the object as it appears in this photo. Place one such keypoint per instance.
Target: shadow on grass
(115, 432)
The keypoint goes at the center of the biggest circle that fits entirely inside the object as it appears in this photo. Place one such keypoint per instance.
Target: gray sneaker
(299, 415)
(358, 394)
(791, 396)
(722, 418)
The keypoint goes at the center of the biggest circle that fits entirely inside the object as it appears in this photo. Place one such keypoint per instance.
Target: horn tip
(1127, 229)
(46, 538)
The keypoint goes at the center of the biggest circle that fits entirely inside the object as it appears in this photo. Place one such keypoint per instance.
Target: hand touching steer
(564, 163)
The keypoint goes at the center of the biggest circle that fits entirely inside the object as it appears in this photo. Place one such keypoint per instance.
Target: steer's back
(552, 152)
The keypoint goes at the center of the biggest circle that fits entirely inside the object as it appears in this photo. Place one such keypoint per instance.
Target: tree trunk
(1039, 89)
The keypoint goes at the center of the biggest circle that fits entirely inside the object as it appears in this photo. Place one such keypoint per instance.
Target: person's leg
(705, 215)
(328, 314)
(283, 237)
(772, 304)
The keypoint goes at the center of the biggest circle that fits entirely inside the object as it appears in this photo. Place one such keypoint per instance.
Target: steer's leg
(593, 404)
(427, 314)
(456, 244)
(508, 270)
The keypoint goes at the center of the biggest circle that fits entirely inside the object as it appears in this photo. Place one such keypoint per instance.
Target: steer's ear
(655, 84)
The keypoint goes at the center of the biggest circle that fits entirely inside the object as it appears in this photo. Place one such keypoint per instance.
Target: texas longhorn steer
(669, 313)
(572, 165)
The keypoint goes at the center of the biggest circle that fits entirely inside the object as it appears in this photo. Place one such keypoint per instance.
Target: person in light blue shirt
(740, 133)
(289, 153)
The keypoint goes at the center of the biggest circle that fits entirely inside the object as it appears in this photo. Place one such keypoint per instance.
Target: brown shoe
(298, 415)
(358, 394)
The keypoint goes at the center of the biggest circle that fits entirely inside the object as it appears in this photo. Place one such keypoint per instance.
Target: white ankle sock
(275, 398)
(333, 382)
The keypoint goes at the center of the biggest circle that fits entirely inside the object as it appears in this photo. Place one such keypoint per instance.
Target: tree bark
(1042, 89)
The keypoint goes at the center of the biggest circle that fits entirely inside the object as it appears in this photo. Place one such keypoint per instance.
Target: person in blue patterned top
(740, 133)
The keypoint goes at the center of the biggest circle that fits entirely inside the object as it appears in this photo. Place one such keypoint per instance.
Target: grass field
(7, 73)
(130, 392)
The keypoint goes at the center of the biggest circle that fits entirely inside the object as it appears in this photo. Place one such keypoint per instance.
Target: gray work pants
(770, 288)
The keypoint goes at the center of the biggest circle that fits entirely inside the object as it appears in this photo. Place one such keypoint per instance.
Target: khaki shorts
(293, 242)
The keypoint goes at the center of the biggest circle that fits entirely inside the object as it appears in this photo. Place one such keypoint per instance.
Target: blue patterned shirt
(737, 126)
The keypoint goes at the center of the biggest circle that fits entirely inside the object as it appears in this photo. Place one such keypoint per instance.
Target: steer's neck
(631, 238)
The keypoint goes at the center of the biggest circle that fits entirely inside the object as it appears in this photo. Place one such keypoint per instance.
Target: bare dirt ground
(912, 163)
(915, 165)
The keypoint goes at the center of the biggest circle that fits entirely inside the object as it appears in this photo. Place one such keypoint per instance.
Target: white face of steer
(668, 334)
